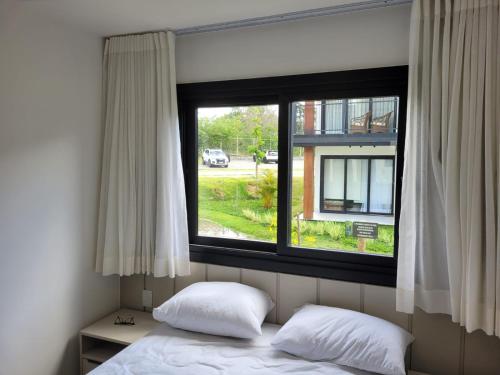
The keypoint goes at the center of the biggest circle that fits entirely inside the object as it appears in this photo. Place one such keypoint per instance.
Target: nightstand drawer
(99, 350)
(103, 339)
(88, 365)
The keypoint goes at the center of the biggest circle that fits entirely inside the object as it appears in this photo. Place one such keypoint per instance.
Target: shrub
(336, 230)
(305, 227)
(269, 219)
(320, 228)
(251, 215)
(310, 241)
(272, 222)
(267, 188)
(217, 192)
(385, 235)
(295, 237)
(252, 190)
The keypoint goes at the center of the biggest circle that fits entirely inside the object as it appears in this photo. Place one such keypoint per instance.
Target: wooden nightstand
(103, 339)
(411, 372)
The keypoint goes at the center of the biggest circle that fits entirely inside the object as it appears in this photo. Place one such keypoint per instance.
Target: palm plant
(267, 188)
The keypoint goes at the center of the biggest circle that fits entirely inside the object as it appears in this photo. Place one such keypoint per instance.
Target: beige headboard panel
(287, 291)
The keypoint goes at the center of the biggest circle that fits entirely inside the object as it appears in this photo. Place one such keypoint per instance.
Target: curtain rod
(282, 17)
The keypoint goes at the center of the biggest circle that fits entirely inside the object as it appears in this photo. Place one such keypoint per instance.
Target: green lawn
(235, 203)
(222, 200)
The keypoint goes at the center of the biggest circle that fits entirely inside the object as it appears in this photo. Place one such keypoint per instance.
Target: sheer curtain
(142, 214)
(449, 249)
(357, 184)
(333, 183)
(381, 185)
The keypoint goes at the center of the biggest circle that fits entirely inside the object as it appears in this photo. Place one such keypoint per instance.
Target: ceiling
(110, 17)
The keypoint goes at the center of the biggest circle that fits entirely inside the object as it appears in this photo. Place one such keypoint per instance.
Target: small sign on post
(364, 231)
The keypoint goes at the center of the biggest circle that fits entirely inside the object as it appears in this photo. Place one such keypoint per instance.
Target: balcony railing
(347, 116)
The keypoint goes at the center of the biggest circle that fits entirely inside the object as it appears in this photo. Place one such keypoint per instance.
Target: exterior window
(237, 172)
(355, 171)
(279, 182)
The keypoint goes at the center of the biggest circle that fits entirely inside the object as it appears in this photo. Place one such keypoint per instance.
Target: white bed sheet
(167, 350)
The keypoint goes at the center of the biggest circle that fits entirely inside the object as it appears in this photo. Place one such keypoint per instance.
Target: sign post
(363, 231)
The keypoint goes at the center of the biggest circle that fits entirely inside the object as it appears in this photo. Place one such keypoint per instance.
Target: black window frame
(368, 187)
(284, 90)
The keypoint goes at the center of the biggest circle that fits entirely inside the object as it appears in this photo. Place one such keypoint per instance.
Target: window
(238, 172)
(361, 195)
(297, 174)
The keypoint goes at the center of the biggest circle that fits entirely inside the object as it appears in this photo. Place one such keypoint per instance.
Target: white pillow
(217, 308)
(345, 337)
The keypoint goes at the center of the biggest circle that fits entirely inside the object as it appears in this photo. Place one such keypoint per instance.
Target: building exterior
(349, 148)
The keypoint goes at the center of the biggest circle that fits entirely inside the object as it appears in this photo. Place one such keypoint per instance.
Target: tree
(298, 118)
(232, 131)
(264, 116)
(257, 149)
(218, 132)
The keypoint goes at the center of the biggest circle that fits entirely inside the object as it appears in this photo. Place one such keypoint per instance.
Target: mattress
(167, 350)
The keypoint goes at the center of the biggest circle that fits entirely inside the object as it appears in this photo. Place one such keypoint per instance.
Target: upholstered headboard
(441, 347)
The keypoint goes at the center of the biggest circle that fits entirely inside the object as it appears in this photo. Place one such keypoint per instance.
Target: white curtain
(381, 185)
(449, 248)
(357, 183)
(142, 214)
(334, 179)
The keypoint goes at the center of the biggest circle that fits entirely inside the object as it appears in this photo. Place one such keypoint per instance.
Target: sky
(218, 111)
(213, 112)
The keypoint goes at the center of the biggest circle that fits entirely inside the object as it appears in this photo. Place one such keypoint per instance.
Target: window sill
(273, 262)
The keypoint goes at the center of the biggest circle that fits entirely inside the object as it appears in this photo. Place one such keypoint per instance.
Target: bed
(167, 350)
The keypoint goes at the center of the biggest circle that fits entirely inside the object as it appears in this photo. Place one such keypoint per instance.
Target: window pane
(237, 172)
(333, 185)
(342, 189)
(357, 185)
(382, 173)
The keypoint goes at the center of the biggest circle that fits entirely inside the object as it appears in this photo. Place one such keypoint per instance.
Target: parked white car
(215, 158)
(271, 157)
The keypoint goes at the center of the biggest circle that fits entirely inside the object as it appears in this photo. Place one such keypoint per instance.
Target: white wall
(358, 40)
(50, 140)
